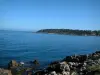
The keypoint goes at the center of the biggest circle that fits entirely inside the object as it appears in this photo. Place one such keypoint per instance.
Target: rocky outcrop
(71, 65)
(12, 64)
(5, 72)
(35, 62)
(75, 65)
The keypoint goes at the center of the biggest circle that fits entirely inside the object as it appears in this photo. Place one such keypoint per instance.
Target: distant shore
(71, 32)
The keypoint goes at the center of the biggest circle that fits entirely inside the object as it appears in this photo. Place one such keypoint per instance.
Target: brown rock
(5, 72)
(12, 64)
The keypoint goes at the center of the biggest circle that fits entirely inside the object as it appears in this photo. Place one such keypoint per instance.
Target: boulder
(22, 63)
(12, 64)
(74, 73)
(53, 73)
(64, 66)
(65, 73)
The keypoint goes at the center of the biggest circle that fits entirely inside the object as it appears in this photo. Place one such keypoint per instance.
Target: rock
(53, 73)
(80, 58)
(97, 73)
(64, 66)
(97, 52)
(90, 73)
(55, 62)
(54, 67)
(84, 64)
(68, 59)
(74, 73)
(41, 72)
(36, 62)
(70, 63)
(5, 72)
(65, 73)
(22, 63)
(59, 74)
(29, 73)
(12, 64)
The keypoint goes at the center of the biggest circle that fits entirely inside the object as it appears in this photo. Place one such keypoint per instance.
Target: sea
(28, 46)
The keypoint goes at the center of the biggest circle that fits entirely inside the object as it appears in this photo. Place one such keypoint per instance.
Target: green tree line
(71, 32)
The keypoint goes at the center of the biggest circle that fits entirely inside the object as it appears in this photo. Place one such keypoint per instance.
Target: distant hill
(71, 32)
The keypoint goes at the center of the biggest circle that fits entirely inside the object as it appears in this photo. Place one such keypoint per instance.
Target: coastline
(87, 64)
(65, 34)
(70, 32)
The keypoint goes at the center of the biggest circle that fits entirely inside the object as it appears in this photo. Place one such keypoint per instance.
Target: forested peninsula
(71, 32)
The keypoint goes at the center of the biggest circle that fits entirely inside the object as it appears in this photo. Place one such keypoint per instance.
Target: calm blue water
(27, 46)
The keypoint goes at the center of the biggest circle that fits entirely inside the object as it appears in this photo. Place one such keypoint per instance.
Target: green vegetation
(71, 32)
(94, 68)
(20, 72)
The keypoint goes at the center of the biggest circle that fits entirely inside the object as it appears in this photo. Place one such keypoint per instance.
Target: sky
(47, 14)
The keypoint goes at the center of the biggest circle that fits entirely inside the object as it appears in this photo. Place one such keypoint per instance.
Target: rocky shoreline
(71, 65)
